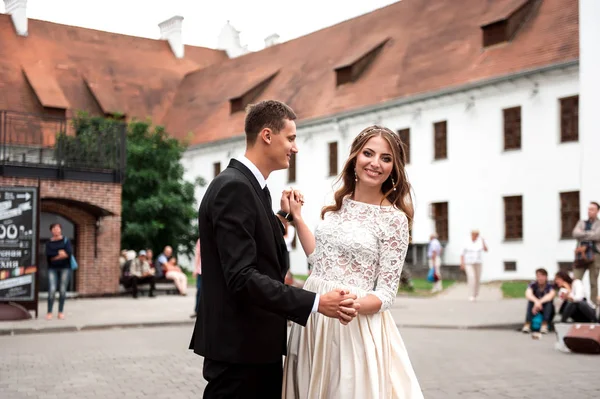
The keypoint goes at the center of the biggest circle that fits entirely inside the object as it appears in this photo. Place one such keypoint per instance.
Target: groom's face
(282, 146)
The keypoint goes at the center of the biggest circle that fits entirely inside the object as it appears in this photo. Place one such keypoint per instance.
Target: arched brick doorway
(94, 239)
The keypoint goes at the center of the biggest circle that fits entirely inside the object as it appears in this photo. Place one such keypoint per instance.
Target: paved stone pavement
(154, 363)
(102, 313)
(461, 292)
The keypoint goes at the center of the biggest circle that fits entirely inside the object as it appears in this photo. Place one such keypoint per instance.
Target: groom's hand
(285, 200)
(338, 304)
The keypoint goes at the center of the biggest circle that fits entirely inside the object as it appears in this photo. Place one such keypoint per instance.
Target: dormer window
(105, 95)
(251, 93)
(351, 69)
(502, 27)
(46, 89)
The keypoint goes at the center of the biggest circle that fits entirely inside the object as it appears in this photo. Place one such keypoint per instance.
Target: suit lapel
(279, 241)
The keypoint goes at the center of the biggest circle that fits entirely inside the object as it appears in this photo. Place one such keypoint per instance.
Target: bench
(162, 285)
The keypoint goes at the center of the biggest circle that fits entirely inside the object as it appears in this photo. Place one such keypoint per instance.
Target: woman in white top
(575, 306)
(470, 262)
(359, 246)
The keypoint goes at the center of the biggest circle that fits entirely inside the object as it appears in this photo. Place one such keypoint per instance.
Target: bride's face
(374, 162)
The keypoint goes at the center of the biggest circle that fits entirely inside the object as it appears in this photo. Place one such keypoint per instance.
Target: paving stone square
(154, 363)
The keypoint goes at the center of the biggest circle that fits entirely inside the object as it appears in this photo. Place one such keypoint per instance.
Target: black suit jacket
(244, 303)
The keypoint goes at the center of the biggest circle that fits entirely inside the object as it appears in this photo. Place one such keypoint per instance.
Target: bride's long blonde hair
(400, 197)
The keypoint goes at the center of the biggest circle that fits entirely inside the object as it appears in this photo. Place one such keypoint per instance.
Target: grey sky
(203, 20)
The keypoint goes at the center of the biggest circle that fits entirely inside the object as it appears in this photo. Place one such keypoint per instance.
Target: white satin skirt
(365, 359)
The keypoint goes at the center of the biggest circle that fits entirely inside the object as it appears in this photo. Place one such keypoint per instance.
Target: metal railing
(30, 140)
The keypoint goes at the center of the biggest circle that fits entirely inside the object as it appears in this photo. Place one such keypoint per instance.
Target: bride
(359, 246)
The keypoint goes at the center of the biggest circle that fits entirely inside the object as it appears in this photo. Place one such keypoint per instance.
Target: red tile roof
(428, 45)
(130, 75)
(434, 44)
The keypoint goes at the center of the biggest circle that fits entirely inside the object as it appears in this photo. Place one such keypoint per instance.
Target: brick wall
(98, 264)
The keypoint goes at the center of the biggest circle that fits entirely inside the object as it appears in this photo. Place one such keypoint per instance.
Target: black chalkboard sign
(18, 245)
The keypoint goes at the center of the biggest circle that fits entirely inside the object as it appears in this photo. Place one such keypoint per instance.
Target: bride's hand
(296, 202)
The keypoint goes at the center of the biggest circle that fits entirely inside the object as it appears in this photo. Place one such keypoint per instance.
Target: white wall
(474, 178)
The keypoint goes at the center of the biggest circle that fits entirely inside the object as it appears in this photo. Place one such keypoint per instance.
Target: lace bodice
(364, 246)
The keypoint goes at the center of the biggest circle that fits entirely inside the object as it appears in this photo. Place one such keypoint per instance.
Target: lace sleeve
(393, 245)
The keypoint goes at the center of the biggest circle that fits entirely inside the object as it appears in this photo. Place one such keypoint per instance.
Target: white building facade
(525, 200)
(474, 178)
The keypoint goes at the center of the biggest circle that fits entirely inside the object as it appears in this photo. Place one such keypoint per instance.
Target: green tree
(158, 205)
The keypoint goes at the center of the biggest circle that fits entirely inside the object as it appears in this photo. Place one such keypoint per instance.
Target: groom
(241, 329)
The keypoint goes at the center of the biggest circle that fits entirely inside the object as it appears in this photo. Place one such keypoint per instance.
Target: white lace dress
(361, 248)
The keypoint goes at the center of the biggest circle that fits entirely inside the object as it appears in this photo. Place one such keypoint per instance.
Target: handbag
(74, 265)
(432, 276)
(583, 338)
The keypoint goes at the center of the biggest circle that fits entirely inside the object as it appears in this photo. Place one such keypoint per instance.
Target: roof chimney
(229, 40)
(171, 31)
(18, 12)
(272, 40)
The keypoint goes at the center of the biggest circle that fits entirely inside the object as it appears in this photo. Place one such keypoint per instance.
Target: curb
(497, 327)
(100, 327)
(92, 327)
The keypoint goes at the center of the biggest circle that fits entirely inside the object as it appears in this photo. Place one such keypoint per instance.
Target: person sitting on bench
(140, 272)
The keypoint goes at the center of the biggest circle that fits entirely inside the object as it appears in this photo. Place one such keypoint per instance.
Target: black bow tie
(268, 195)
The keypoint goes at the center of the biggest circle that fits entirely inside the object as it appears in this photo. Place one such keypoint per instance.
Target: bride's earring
(355, 176)
(394, 184)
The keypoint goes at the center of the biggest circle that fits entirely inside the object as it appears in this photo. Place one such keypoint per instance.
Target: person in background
(123, 258)
(470, 262)
(161, 262)
(141, 273)
(288, 237)
(58, 253)
(575, 305)
(198, 274)
(150, 259)
(434, 256)
(539, 295)
(587, 232)
(173, 272)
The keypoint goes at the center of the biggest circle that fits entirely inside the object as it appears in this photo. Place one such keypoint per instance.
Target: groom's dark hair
(266, 114)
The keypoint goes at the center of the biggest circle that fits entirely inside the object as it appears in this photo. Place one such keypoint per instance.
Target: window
(292, 169)
(565, 266)
(440, 140)
(494, 33)
(216, 168)
(569, 213)
(295, 242)
(512, 128)
(333, 158)
(440, 215)
(405, 138)
(510, 266)
(513, 218)
(569, 119)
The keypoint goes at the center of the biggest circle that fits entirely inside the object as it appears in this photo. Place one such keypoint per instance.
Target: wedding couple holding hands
(344, 343)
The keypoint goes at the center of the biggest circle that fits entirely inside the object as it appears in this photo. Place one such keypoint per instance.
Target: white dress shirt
(262, 183)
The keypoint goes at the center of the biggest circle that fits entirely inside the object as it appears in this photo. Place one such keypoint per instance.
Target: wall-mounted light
(535, 89)
(470, 103)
